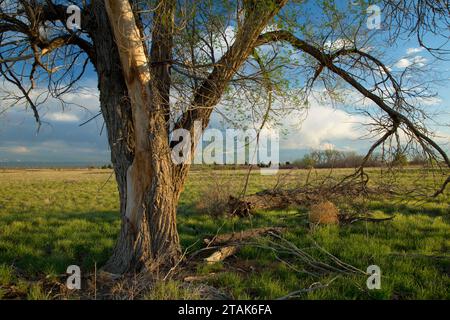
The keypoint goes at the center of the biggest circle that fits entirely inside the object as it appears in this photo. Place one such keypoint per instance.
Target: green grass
(50, 219)
(172, 290)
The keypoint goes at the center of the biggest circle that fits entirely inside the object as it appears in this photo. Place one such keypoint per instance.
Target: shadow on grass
(49, 242)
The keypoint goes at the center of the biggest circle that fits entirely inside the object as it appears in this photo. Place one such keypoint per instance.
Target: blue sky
(61, 139)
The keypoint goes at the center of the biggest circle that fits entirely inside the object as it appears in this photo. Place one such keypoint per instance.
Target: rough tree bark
(140, 151)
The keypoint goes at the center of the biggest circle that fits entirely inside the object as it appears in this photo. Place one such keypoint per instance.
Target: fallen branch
(312, 265)
(200, 278)
(221, 254)
(230, 238)
(352, 220)
(276, 199)
(313, 287)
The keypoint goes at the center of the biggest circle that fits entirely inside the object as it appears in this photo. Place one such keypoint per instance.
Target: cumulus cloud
(416, 61)
(16, 150)
(62, 117)
(59, 139)
(88, 99)
(221, 42)
(322, 128)
(403, 63)
(411, 51)
(430, 101)
(270, 28)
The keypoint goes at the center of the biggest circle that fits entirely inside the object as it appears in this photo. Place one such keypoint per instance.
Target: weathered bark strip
(116, 109)
(137, 77)
(235, 237)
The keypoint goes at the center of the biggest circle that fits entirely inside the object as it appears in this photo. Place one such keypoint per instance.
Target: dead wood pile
(276, 199)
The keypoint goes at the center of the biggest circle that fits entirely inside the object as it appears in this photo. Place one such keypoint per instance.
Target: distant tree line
(350, 159)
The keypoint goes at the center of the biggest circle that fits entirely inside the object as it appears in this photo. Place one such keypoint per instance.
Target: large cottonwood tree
(166, 64)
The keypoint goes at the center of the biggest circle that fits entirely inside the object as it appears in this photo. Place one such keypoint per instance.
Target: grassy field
(50, 219)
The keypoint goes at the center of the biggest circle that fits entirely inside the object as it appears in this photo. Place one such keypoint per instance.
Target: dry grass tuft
(324, 213)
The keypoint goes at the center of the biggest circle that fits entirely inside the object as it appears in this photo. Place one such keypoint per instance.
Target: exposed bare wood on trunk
(116, 110)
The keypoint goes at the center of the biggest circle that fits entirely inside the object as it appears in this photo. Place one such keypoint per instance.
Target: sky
(61, 139)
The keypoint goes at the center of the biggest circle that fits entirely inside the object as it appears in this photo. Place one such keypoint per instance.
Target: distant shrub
(418, 160)
(400, 160)
(341, 159)
(335, 159)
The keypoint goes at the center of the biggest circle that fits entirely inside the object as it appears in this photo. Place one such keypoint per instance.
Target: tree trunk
(149, 242)
(148, 188)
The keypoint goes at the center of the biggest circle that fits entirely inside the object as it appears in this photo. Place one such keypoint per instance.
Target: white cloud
(327, 146)
(411, 51)
(416, 61)
(322, 127)
(87, 98)
(62, 117)
(367, 49)
(16, 150)
(430, 101)
(270, 28)
(419, 61)
(403, 63)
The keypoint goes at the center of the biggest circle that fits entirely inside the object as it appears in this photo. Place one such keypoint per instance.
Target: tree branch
(327, 60)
